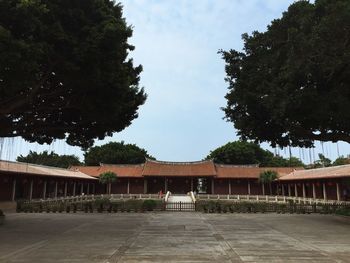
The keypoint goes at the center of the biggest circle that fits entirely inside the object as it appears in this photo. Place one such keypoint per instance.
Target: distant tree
(323, 161)
(267, 177)
(241, 152)
(50, 159)
(116, 153)
(290, 85)
(341, 161)
(108, 178)
(65, 71)
(279, 161)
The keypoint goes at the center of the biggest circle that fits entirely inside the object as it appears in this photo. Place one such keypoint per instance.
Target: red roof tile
(234, 171)
(121, 170)
(41, 170)
(319, 173)
(158, 168)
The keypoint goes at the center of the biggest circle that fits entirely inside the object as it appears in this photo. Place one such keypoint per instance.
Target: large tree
(50, 159)
(65, 71)
(241, 152)
(290, 85)
(116, 153)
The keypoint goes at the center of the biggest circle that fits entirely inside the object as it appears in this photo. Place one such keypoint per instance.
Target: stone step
(180, 198)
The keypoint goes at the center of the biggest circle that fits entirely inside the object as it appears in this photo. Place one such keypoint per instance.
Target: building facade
(28, 181)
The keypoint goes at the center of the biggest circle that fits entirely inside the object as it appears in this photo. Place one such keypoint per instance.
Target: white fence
(80, 198)
(269, 198)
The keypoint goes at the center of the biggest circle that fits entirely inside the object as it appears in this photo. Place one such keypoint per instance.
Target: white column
(295, 190)
(145, 186)
(14, 190)
(313, 191)
(263, 188)
(304, 192)
(56, 189)
(65, 189)
(338, 192)
(229, 187)
(324, 192)
(191, 184)
(212, 186)
(248, 187)
(128, 189)
(44, 190)
(74, 186)
(289, 190)
(31, 190)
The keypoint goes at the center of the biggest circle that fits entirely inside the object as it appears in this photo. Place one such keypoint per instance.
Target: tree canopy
(241, 152)
(341, 161)
(116, 153)
(65, 71)
(268, 176)
(323, 161)
(290, 85)
(50, 159)
(107, 178)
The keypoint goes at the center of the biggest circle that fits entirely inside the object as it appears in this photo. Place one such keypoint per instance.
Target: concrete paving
(174, 237)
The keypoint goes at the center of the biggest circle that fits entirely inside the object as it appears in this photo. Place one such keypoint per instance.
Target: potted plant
(2, 217)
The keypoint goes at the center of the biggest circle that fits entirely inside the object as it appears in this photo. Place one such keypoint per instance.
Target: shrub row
(345, 211)
(222, 206)
(98, 205)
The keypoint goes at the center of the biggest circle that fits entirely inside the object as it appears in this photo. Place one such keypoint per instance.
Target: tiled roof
(233, 171)
(319, 173)
(121, 170)
(33, 169)
(158, 168)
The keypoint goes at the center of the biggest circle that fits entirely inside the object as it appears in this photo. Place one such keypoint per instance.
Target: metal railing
(180, 206)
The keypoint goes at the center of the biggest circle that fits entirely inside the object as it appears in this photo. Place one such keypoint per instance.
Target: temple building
(29, 181)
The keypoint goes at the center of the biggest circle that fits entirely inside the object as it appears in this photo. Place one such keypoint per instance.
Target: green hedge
(98, 205)
(343, 211)
(223, 206)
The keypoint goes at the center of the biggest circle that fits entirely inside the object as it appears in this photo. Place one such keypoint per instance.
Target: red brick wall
(221, 186)
(255, 187)
(120, 186)
(239, 187)
(136, 186)
(155, 184)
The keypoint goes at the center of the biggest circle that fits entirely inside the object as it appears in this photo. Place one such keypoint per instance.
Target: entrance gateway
(179, 202)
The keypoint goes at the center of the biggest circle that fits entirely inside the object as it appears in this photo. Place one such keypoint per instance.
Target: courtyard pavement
(174, 237)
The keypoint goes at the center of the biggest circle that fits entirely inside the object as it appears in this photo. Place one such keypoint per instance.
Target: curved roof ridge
(237, 165)
(181, 163)
(122, 165)
(327, 168)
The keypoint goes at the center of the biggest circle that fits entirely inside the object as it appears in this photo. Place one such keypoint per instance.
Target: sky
(177, 43)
